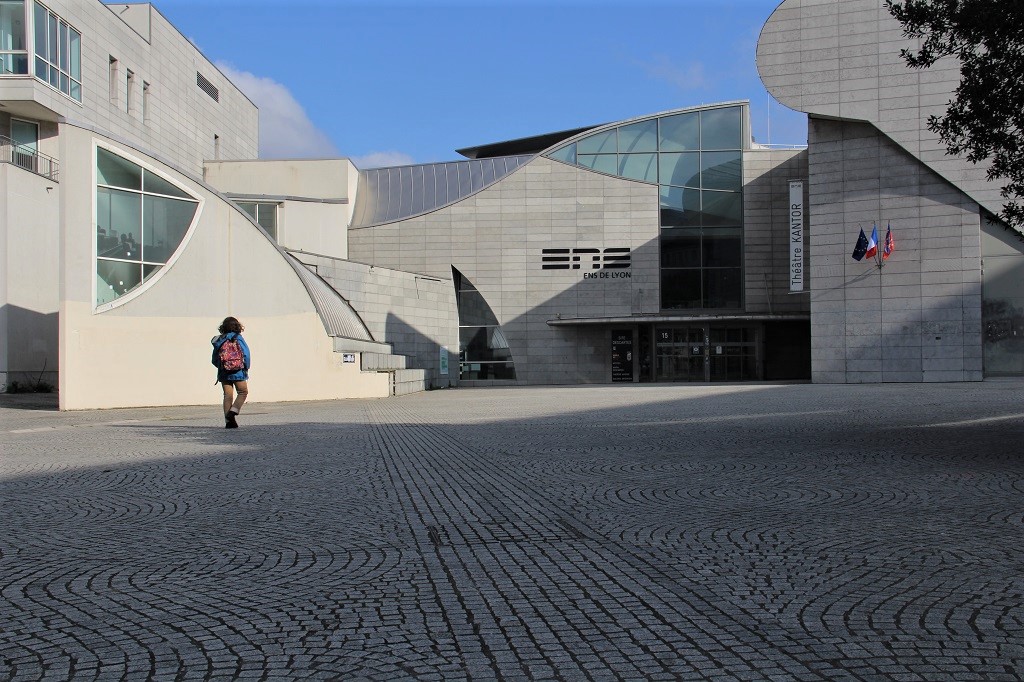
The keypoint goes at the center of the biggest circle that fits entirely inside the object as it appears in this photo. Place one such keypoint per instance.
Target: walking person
(231, 358)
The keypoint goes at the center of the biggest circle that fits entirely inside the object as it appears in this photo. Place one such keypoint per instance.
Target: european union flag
(862, 246)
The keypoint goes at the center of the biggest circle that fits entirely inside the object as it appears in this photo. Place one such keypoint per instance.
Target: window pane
(680, 169)
(267, 219)
(605, 163)
(41, 69)
(165, 223)
(478, 344)
(473, 309)
(157, 185)
(118, 224)
(75, 54)
(567, 154)
(148, 270)
(54, 74)
(113, 170)
(679, 133)
(679, 207)
(249, 207)
(40, 22)
(62, 43)
(76, 90)
(13, 63)
(721, 170)
(721, 209)
(722, 250)
(723, 287)
(680, 252)
(639, 167)
(680, 289)
(487, 370)
(12, 25)
(51, 38)
(639, 137)
(720, 128)
(115, 278)
(65, 84)
(25, 135)
(601, 143)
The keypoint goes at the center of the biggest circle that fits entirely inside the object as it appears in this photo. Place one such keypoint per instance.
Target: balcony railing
(29, 159)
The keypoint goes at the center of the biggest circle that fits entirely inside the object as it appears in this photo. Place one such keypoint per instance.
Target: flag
(890, 243)
(862, 246)
(872, 243)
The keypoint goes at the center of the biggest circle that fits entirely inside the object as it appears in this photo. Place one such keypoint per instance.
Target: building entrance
(706, 353)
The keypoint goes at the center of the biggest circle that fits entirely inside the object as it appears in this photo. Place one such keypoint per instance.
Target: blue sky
(388, 82)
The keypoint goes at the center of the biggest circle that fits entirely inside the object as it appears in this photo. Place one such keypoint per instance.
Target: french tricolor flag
(872, 243)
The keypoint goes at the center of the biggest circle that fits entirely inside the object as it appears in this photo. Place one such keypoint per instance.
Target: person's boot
(229, 420)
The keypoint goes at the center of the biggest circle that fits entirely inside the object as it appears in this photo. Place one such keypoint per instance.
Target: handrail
(29, 159)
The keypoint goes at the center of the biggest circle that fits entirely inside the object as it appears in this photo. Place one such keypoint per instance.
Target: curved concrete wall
(154, 349)
(841, 59)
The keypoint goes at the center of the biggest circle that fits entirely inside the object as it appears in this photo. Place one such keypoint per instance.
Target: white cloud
(285, 129)
(688, 76)
(382, 159)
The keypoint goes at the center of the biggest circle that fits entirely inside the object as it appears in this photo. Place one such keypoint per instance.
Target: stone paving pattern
(795, 532)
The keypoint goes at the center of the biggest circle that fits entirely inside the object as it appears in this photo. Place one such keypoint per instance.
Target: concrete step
(383, 362)
(406, 381)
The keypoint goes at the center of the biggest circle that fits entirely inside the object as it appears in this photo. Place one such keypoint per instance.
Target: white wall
(154, 348)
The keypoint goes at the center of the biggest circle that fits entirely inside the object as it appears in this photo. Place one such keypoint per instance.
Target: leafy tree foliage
(985, 118)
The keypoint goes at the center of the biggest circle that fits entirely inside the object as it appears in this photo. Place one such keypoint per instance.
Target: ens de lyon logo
(588, 260)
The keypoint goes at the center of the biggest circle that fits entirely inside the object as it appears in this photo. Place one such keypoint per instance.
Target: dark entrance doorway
(706, 352)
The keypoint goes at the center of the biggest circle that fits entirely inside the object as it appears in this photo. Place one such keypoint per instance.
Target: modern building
(667, 247)
(949, 304)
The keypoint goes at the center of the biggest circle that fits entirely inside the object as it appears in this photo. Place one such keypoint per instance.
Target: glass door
(680, 353)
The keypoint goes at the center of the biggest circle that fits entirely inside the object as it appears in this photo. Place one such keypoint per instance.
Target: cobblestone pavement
(791, 532)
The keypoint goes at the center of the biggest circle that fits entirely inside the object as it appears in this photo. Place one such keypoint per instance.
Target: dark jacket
(240, 375)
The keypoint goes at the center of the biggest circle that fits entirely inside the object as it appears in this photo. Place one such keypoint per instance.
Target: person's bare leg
(229, 396)
(243, 392)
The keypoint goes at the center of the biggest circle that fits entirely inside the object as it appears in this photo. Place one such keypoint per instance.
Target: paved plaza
(733, 532)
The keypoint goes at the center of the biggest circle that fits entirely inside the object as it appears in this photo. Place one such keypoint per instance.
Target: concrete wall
(919, 317)
(154, 348)
(181, 119)
(766, 231)
(495, 239)
(841, 59)
(416, 314)
(315, 203)
(29, 285)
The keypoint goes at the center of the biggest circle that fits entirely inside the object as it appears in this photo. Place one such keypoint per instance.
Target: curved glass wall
(140, 221)
(483, 348)
(696, 158)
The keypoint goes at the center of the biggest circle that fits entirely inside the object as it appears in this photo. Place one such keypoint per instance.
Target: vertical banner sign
(622, 355)
(796, 235)
(444, 361)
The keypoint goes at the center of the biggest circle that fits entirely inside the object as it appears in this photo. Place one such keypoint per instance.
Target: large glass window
(484, 352)
(141, 219)
(697, 159)
(264, 213)
(25, 136)
(58, 53)
(13, 51)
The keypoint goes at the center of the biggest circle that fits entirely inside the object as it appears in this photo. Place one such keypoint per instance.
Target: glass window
(249, 207)
(267, 219)
(117, 172)
(721, 170)
(679, 133)
(680, 288)
(137, 229)
(600, 143)
(165, 222)
(639, 167)
(26, 135)
(681, 250)
(483, 344)
(720, 128)
(566, 153)
(12, 38)
(722, 248)
(639, 137)
(58, 53)
(680, 169)
(679, 207)
(75, 54)
(721, 209)
(604, 163)
(723, 288)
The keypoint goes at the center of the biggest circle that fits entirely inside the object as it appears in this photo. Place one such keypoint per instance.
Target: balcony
(29, 159)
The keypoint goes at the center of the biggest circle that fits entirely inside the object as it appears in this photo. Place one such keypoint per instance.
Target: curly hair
(230, 324)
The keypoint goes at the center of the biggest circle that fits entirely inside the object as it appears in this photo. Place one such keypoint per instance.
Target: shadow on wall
(422, 351)
(30, 359)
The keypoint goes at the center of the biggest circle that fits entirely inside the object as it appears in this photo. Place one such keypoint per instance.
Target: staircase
(377, 357)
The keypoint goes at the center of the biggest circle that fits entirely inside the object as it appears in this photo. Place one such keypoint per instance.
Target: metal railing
(29, 159)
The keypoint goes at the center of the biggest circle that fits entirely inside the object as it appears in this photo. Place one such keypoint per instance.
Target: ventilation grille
(207, 87)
